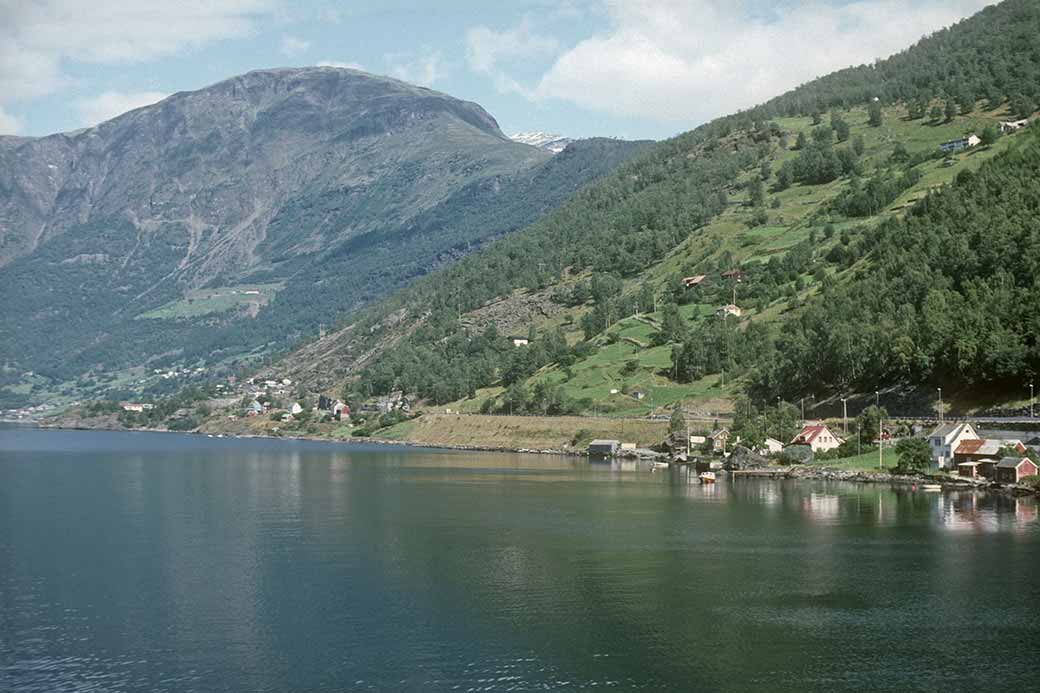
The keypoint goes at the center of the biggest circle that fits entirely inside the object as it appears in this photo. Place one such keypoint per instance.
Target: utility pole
(801, 401)
(1031, 400)
(877, 398)
(779, 420)
(845, 415)
(880, 444)
(941, 417)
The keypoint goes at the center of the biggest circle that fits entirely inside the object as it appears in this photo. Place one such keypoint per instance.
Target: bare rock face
(260, 178)
(322, 188)
(219, 163)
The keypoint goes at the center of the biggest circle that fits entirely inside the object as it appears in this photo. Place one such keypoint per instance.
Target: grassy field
(219, 300)
(523, 431)
(865, 462)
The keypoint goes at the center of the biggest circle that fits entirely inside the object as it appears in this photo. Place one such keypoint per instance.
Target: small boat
(707, 477)
(659, 465)
(932, 488)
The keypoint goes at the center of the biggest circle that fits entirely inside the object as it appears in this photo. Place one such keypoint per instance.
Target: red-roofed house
(696, 280)
(818, 437)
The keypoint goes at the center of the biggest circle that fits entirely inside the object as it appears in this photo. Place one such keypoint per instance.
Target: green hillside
(806, 195)
(788, 261)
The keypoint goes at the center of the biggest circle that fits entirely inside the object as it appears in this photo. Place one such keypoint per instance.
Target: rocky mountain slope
(239, 217)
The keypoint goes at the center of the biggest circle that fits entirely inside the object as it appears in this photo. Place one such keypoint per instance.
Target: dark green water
(148, 562)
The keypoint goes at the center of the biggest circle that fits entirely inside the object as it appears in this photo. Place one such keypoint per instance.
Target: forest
(950, 292)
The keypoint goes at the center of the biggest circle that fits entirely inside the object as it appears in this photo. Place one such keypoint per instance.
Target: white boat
(707, 477)
(659, 465)
(932, 488)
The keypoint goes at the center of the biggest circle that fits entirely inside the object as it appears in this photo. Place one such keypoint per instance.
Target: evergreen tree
(874, 116)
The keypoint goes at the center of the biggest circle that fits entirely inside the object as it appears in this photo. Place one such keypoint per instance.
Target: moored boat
(707, 477)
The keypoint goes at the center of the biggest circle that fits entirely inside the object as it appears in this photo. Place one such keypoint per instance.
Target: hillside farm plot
(198, 302)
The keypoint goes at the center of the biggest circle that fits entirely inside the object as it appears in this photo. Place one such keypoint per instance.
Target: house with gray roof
(945, 439)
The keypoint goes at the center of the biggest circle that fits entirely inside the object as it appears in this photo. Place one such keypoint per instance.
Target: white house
(728, 310)
(1012, 125)
(296, 409)
(772, 446)
(818, 437)
(961, 143)
(945, 439)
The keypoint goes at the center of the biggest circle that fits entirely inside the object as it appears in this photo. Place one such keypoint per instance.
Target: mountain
(236, 218)
(862, 249)
(543, 140)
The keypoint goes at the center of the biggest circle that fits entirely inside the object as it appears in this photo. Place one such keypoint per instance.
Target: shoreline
(792, 472)
(311, 439)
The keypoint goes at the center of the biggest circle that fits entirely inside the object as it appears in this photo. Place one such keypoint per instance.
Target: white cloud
(337, 63)
(37, 37)
(425, 69)
(486, 48)
(112, 103)
(291, 46)
(10, 124)
(493, 52)
(685, 61)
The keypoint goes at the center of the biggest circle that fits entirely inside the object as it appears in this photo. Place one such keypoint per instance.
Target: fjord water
(151, 562)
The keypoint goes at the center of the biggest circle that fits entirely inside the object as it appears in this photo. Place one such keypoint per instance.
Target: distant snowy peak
(544, 140)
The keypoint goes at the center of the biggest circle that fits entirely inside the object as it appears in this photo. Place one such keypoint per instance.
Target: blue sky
(626, 68)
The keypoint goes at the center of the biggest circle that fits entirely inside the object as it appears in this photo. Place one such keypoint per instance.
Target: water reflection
(275, 566)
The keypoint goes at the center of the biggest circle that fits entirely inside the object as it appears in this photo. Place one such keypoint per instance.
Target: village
(957, 455)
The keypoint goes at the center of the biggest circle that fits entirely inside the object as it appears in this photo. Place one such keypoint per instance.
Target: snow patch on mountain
(544, 140)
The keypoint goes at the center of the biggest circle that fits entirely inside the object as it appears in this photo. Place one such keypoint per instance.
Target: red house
(1011, 470)
(818, 437)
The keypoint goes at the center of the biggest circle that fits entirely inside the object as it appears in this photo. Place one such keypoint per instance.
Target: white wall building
(944, 441)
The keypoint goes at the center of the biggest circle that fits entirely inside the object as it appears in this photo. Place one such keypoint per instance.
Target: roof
(599, 441)
(1013, 462)
(808, 434)
(986, 446)
(969, 464)
(694, 280)
(946, 429)
(718, 433)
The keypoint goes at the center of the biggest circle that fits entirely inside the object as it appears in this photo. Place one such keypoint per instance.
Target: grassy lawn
(865, 462)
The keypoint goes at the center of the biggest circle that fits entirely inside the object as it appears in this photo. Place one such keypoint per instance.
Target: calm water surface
(150, 562)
